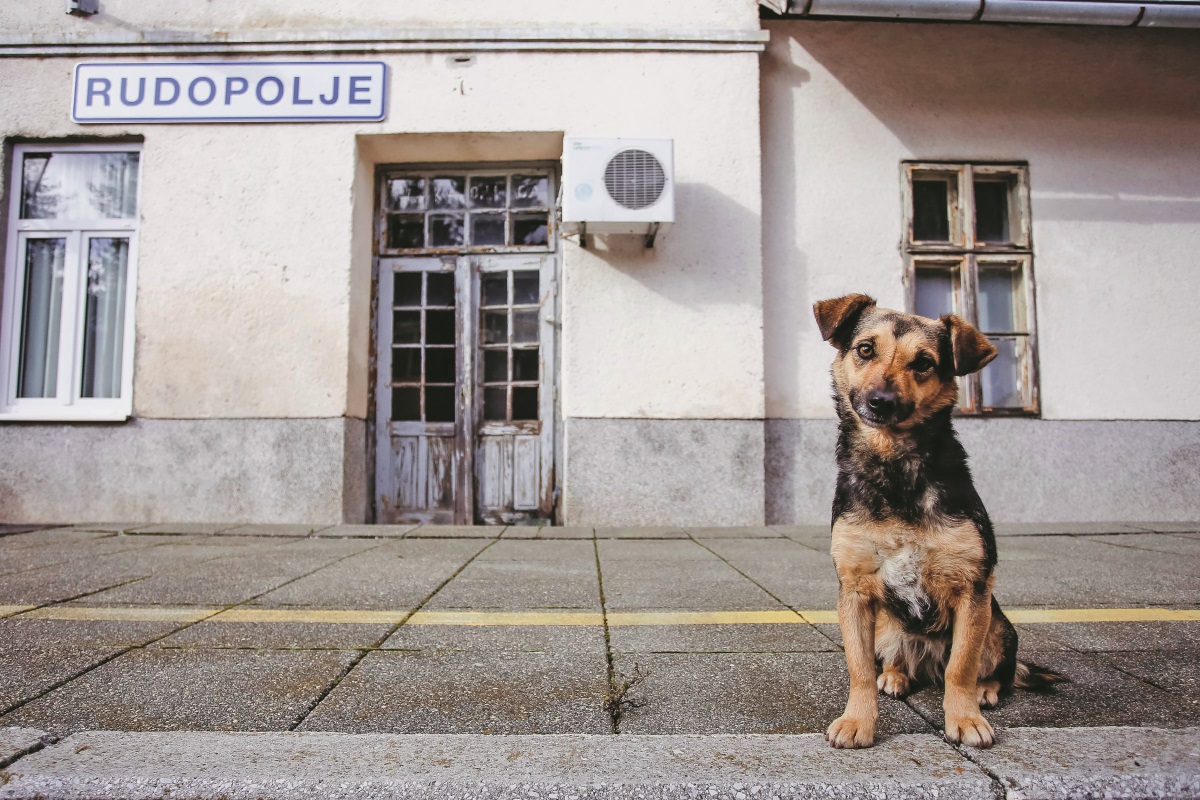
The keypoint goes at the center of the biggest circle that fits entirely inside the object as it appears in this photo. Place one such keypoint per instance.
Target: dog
(912, 542)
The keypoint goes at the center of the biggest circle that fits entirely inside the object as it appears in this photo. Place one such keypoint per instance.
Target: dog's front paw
(970, 729)
(847, 731)
(893, 682)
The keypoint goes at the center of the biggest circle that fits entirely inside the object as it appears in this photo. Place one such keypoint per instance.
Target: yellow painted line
(121, 614)
(1026, 615)
(817, 617)
(704, 618)
(502, 618)
(312, 615)
(8, 611)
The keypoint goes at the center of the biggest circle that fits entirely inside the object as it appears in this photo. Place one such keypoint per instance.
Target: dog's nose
(882, 403)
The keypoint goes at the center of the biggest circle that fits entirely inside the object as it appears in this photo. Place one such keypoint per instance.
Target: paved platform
(470, 630)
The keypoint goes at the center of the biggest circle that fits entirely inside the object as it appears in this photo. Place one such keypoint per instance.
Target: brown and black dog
(912, 542)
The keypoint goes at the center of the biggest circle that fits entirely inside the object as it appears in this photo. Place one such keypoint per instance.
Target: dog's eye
(865, 350)
(923, 364)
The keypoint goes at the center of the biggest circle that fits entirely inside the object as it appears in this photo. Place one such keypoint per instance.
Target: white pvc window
(66, 324)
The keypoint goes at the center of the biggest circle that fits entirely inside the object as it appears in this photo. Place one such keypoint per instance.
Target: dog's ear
(836, 317)
(971, 349)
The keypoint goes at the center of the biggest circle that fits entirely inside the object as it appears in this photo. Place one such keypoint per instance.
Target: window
(66, 324)
(969, 253)
(452, 211)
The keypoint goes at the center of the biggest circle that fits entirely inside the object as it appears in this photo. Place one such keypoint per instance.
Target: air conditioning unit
(617, 186)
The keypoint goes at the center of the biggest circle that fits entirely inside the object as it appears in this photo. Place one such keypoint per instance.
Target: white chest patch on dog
(902, 573)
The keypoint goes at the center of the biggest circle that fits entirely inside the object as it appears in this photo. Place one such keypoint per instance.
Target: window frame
(965, 254)
(67, 405)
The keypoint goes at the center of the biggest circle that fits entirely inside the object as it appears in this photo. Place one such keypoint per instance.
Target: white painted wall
(1107, 120)
(254, 265)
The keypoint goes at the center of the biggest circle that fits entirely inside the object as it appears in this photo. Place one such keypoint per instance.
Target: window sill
(75, 416)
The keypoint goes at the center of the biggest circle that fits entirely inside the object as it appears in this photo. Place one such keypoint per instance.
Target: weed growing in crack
(619, 700)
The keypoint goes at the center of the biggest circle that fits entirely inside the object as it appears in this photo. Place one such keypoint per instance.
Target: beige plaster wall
(1107, 120)
(254, 263)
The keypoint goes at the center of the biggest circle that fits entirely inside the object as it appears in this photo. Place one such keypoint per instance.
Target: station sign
(230, 91)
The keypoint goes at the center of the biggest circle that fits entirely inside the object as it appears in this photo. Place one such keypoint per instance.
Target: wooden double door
(466, 389)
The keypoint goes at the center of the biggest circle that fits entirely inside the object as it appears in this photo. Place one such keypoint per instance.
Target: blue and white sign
(230, 91)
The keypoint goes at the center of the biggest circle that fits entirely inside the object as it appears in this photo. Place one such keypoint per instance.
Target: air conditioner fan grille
(634, 179)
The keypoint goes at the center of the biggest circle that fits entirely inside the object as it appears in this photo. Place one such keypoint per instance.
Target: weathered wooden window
(66, 320)
(479, 211)
(969, 252)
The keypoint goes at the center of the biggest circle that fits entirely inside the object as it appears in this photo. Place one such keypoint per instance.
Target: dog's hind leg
(998, 661)
(895, 679)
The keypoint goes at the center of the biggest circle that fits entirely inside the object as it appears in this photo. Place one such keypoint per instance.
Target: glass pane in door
(41, 317)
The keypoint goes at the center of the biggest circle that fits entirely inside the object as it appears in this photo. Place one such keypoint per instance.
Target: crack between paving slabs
(5, 712)
(362, 652)
(614, 717)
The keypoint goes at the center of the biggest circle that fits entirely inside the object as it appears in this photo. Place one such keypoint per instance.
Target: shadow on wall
(698, 273)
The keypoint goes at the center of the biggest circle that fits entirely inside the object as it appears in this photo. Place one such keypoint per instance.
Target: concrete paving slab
(1062, 528)
(1178, 672)
(25, 633)
(184, 528)
(395, 575)
(49, 536)
(1111, 762)
(762, 638)
(646, 551)
(31, 670)
(747, 693)
(457, 532)
(641, 533)
(1156, 542)
(16, 742)
(815, 537)
(1098, 637)
(468, 692)
(27, 558)
(298, 766)
(525, 575)
(165, 689)
(12, 530)
(694, 585)
(574, 639)
(1189, 527)
(278, 635)
(367, 531)
(750, 532)
(272, 530)
(790, 571)
(563, 532)
(1098, 694)
(107, 527)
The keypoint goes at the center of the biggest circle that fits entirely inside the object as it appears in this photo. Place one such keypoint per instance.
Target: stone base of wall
(1026, 470)
(147, 470)
(663, 472)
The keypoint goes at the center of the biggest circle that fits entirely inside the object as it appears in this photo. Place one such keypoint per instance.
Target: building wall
(254, 273)
(1106, 119)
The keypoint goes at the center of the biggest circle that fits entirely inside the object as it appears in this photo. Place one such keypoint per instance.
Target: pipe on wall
(1157, 14)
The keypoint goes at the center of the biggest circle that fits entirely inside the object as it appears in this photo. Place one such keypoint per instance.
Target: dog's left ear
(972, 350)
(836, 317)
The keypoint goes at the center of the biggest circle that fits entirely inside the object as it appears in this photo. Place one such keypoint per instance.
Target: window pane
(487, 229)
(104, 317)
(406, 365)
(445, 231)
(931, 211)
(449, 192)
(495, 289)
(525, 326)
(525, 365)
(406, 194)
(999, 300)
(406, 327)
(991, 212)
(439, 327)
(405, 232)
(495, 366)
(495, 327)
(439, 404)
(934, 292)
(406, 289)
(525, 288)
(439, 365)
(1001, 378)
(41, 317)
(406, 403)
(530, 230)
(495, 404)
(531, 191)
(489, 192)
(525, 403)
(439, 289)
(79, 185)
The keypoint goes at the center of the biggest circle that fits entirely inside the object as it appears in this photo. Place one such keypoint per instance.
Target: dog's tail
(1039, 679)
